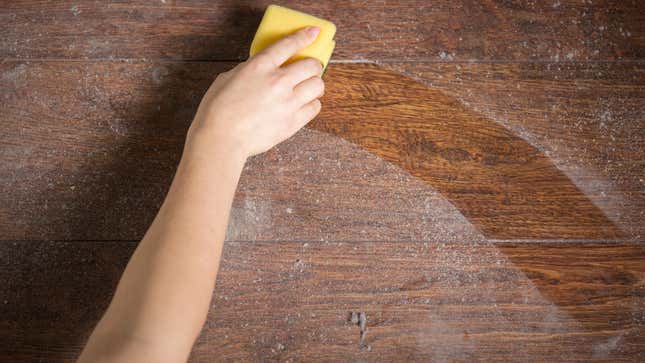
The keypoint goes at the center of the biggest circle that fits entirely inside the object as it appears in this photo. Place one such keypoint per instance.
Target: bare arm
(164, 294)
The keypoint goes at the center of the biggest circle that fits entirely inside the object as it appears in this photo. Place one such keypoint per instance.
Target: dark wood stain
(415, 30)
(75, 137)
(291, 300)
(89, 148)
(502, 184)
(525, 117)
(588, 118)
(108, 138)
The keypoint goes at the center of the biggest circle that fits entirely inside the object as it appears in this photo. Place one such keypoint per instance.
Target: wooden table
(473, 186)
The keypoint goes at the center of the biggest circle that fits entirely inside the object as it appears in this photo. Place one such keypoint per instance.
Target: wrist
(213, 147)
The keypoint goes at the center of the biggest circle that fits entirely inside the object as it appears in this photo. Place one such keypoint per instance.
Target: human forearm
(202, 191)
(187, 236)
(164, 294)
(163, 297)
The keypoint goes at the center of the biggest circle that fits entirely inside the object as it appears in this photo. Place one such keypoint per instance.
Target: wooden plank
(53, 294)
(292, 301)
(578, 282)
(88, 150)
(74, 138)
(443, 30)
(97, 146)
(588, 118)
(502, 184)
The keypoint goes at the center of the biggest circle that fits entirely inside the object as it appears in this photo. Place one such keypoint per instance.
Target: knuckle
(300, 37)
(260, 61)
(277, 83)
(290, 41)
(282, 75)
(314, 64)
(320, 86)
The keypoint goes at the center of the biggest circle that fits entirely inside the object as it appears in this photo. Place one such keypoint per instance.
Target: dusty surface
(448, 127)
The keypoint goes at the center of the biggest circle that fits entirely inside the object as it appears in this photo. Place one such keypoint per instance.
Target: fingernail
(313, 31)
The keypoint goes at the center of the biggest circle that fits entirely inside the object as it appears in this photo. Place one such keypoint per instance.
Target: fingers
(309, 90)
(307, 113)
(285, 48)
(303, 69)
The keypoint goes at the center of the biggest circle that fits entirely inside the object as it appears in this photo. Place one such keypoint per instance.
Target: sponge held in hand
(279, 22)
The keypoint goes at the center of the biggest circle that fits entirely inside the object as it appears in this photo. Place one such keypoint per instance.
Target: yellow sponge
(279, 21)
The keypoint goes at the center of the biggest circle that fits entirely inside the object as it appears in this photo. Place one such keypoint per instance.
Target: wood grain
(89, 149)
(482, 121)
(291, 301)
(74, 138)
(414, 30)
(87, 152)
(588, 118)
(501, 183)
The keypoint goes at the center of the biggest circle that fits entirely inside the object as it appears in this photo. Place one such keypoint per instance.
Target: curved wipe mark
(502, 184)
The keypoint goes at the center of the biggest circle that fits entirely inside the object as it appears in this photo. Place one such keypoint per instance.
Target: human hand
(260, 103)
